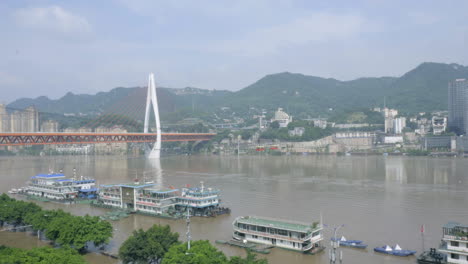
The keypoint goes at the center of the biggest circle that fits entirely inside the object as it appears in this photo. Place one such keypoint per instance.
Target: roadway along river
(381, 200)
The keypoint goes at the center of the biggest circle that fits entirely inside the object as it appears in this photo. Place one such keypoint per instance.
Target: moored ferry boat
(455, 242)
(147, 198)
(202, 201)
(57, 187)
(279, 233)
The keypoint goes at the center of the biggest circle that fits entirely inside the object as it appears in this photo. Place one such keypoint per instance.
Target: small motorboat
(350, 243)
(396, 251)
(14, 191)
(432, 257)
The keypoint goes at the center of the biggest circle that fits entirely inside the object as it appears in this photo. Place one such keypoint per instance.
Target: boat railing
(279, 220)
(109, 197)
(308, 247)
(455, 237)
(316, 238)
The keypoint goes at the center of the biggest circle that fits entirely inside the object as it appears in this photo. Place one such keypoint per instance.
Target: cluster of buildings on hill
(456, 121)
(423, 131)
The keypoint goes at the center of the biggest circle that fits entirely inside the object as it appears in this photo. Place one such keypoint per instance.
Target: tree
(201, 252)
(42, 255)
(250, 259)
(61, 227)
(77, 231)
(274, 125)
(148, 246)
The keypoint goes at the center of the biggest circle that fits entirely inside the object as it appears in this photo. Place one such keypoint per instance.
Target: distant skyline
(53, 47)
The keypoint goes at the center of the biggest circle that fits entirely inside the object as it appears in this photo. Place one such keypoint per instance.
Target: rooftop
(129, 185)
(162, 191)
(55, 175)
(205, 190)
(454, 224)
(276, 223)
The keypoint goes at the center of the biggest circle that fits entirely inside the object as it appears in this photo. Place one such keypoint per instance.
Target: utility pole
(335, 243)
(188, 229)
(238, 144)
(422, 236)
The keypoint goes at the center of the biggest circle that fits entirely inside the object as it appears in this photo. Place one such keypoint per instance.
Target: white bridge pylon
(152, 99)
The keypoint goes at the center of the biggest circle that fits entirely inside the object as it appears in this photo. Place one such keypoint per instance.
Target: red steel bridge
(22, 139)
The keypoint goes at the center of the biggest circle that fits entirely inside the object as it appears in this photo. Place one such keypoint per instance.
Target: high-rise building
(389, 115)
(398, 125)
(4, 119)
(26, 120)
(458, 106)
(16, 122)
(50, 126)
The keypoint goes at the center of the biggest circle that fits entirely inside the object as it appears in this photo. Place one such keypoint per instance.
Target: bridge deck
(39, 138)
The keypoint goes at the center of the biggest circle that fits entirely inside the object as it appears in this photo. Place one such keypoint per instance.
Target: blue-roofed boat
(350, 243)
(56, 186)
(396, 251)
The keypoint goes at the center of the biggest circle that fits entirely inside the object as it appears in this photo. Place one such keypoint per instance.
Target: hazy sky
(52, 47)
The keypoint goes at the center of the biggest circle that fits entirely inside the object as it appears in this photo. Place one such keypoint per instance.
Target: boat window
(282, 232)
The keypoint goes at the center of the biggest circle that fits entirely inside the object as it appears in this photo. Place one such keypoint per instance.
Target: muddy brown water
(381, 200)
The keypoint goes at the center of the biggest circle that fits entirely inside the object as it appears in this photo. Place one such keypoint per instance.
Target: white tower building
(152, 99)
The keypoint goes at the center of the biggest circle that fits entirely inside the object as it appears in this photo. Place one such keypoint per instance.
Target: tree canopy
(148, 246)
(250, 259)
(59, 226)
(42, 255)
(202, 252)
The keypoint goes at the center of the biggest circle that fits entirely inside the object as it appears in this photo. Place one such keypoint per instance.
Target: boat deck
(276, 223)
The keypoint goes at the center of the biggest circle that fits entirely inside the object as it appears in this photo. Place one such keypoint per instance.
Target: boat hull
(353, 245)
(400, 253)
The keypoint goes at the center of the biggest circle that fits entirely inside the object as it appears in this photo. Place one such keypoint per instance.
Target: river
(381, 200)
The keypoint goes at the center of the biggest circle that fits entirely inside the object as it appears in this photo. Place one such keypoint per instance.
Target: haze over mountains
(421, 89)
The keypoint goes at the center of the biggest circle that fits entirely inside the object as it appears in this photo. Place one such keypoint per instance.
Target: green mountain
(421, 89)
(129, 102)
(304, 95)
(424, 88)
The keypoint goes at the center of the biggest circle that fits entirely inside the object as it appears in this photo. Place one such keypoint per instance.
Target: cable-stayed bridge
(152, 139)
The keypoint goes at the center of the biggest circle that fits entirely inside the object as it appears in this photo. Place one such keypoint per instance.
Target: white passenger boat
(279, 233)
(56, 186)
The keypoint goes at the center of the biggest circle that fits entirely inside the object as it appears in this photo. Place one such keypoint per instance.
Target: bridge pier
(152, 99)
